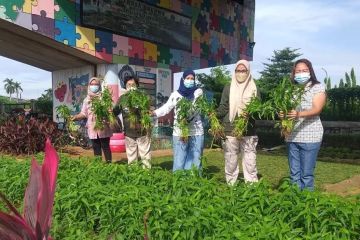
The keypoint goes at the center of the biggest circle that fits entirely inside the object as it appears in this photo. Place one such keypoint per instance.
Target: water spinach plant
(101, 106)
(185, 111)
(207, 108)
(64, 112)
(138, 104)
(284, 98)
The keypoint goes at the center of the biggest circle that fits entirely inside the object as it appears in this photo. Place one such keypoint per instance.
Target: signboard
(140, 20)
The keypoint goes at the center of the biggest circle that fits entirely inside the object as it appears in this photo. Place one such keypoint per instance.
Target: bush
(18, 136)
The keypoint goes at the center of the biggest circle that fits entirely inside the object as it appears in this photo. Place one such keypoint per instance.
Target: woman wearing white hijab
(234, 99)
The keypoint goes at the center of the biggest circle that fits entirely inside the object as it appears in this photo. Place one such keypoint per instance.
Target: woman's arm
(319, 101)
(223, 108)
(166, 108)
(83, 113)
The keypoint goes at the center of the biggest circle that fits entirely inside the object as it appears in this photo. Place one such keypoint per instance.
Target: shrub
(18, 136)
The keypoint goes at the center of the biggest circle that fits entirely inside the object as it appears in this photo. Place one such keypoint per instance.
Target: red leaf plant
(38, 202)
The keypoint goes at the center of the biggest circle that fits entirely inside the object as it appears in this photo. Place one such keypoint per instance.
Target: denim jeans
(188, 154)
(302, 161)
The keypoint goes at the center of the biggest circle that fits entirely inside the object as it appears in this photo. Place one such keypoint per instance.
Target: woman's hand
(293, 114)
(281, 115)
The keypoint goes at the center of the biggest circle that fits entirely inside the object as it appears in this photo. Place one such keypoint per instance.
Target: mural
(221, 32)
(78, 88)
(70, 88)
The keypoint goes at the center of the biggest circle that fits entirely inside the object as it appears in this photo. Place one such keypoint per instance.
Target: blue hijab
(187, 92)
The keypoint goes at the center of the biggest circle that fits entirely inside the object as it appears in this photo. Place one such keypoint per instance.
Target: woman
(234, 99)
(137, 141)
(100, 138)
(305, 139)
(187, 154)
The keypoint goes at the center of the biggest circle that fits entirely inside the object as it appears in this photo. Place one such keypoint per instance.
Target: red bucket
(117, 142)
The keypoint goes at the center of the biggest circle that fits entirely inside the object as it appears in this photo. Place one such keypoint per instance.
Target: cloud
(326, 32)
(34, 81)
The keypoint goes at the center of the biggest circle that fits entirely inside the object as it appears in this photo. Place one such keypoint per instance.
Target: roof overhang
(32, 48)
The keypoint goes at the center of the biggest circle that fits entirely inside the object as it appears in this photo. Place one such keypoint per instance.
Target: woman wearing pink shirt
(100, 138)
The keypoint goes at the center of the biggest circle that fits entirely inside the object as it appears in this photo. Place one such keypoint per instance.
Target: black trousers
(104, 144)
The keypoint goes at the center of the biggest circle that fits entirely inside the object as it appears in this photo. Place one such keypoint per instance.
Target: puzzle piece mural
(222, 31)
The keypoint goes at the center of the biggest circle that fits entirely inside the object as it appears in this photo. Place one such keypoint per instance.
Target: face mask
(131, 88)
(302, 78)
(94, 88)
(241, 77)
(189, 83)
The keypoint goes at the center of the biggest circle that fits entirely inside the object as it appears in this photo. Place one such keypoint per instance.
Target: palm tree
(9, 86)
(18, 88)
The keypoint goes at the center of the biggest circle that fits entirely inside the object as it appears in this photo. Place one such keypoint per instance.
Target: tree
(9, 86)
(17, 87)
(348, 81)
(353, 77)
(215, 82)
(44, 103)
(327, 82)
(341, 83)
(280, 66)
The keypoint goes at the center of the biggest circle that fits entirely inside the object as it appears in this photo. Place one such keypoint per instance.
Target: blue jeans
(302, 161)
(188, 154)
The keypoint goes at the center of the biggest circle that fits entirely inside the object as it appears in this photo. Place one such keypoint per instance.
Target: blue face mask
(189, 83)
(94, 88)
(302, 78)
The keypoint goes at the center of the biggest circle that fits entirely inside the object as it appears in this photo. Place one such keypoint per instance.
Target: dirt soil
(347, 187)
(78, 151)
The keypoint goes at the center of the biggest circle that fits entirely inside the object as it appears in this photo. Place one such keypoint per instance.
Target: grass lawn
(273, 168)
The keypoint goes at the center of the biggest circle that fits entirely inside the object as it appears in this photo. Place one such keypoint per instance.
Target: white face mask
(94, 88)
(302, 78)
(241, 77)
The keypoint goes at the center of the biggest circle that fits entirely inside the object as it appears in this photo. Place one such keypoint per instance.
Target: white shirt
(310, 129)
(195, 125)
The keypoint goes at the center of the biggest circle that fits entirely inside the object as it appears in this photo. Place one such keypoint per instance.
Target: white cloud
(33, 80)
(326, 32)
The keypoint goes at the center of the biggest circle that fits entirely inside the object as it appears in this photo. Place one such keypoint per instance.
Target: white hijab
(240, 93)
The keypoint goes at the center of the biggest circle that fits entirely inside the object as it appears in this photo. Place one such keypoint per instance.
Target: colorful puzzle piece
(45, 8)
(67, 9)
(11, 8)
(27, 7)
(150, 51)
(65, 32)
(24, 20)
(202, 24)
(196, 48)
(165, 4)
(43, 25)
(176, 57)
(176, 5)
(164, 55)
(136, 49)
(120, 45)
(103, 40)
(85, 38)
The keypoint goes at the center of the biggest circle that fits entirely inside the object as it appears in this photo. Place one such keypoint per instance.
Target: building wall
(222, 32)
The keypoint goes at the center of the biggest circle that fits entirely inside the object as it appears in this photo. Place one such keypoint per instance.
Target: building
(77, 39)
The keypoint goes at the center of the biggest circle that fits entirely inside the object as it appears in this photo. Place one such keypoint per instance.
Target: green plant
(64, 112)
(18, 136)
(101, 106)
(138, 104)
(184, 108)
(207, 108)
(285, 97)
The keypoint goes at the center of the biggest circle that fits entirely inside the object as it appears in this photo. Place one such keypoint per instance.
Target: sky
(326, 31)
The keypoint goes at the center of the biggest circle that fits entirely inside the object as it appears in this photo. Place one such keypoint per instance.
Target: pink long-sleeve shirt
(93, 134)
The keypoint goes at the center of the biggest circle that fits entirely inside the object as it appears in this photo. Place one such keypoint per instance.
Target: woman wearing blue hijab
(187, 154)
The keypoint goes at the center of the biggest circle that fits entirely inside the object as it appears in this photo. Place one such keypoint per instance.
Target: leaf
(47, 192)
(32, 193)
(14, 228)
